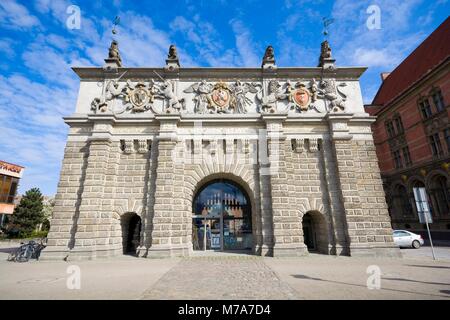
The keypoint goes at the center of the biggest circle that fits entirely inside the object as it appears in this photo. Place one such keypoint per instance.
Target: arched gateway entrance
(222, 210)
(131, 230)
(315, 232)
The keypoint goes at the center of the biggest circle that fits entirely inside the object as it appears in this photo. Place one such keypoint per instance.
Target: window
(401, 204)
(406, 156)
(401, 234)
(438, 100)
(398, 124)
(8, 188)
(439, 195)
(12, 191)
(435, 144)
(390, 129)
(425, 108)
(447, 138)
(397, 159)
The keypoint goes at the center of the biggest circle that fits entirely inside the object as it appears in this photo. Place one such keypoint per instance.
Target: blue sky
(38, 88)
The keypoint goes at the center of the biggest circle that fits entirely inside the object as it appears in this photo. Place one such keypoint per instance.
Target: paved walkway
(221, 277)
(228, 276)
(441, 253)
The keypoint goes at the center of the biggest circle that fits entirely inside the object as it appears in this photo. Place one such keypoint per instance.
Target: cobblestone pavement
(216, 278)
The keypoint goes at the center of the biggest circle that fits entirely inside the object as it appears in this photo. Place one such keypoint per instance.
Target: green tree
(28, 214)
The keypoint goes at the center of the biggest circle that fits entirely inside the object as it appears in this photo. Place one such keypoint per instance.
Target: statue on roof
(172, 61)
(173, 55)
(269, 59)
(269, 55)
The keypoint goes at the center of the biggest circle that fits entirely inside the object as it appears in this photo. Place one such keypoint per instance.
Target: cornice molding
(96, 73)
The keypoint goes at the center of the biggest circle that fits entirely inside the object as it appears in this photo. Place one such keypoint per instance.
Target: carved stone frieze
(273, 95)
(221, 97)
(332, 94)
(119, 97)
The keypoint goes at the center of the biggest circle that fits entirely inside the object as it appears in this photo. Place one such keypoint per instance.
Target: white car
(404, 238)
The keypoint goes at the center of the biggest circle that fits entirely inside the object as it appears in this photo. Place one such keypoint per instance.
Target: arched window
(401, 205)
(438, 99)
(439, 195)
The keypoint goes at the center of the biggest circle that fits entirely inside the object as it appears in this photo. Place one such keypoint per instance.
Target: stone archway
(251, 209)
(222, 209)
(131, 232)
(315, 232)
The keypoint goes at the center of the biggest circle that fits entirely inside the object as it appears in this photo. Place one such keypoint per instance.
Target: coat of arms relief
(272, 96)
(222, 97)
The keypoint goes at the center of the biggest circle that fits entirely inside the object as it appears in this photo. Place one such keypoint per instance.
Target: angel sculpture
(201, 100)
(240, 90)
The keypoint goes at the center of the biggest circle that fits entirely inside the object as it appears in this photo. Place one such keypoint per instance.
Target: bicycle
(27, 251)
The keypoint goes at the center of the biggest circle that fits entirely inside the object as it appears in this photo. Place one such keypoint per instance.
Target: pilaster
(354, 235)
(286, 230)
(168, 215)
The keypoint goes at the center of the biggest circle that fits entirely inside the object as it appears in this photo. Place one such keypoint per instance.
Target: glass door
(222, 218)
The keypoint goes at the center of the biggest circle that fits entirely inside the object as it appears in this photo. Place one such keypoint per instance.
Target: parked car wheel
(416, 244)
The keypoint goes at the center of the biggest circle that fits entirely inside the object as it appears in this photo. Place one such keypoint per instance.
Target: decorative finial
(113, 54)
(114, 60)
(326, 61)
(269, 58)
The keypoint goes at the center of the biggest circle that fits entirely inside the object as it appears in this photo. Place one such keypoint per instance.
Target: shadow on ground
(301, 276)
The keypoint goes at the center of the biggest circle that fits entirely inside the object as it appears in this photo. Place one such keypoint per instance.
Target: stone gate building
(161, 162)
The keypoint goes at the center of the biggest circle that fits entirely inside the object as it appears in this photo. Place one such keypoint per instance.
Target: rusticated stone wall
(335, 181)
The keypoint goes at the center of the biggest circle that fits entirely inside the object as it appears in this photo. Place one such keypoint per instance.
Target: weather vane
(116, 23)
(326, 23)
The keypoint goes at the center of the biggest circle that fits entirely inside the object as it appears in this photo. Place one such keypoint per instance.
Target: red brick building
(412, 135)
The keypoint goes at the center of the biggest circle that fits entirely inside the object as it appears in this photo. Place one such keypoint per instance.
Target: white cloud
(202, 38)
(245, 45)
(6, 46)
(372, 58)
(379, 49)
(51, 65)
(56, 8)
(15, 16)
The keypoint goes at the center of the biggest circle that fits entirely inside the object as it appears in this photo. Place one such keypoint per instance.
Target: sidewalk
(228, 277)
